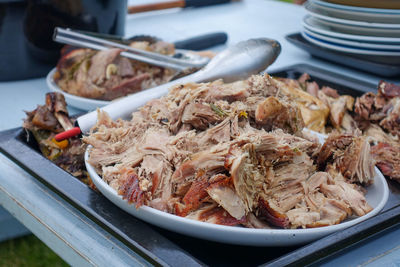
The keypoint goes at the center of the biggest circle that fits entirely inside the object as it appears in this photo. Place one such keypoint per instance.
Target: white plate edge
(360, 23)
(348, 50)
(350, 36)
(352, 43)
(382, 11)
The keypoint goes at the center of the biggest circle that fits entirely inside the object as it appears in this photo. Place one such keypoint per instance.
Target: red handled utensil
(68, 134)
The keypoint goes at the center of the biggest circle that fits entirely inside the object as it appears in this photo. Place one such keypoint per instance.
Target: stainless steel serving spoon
(235, 63)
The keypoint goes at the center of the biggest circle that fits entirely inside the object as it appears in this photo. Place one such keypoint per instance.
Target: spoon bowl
(242, 60)
(235, 63)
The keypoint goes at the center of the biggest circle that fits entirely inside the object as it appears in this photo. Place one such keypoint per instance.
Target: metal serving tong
(68, 36)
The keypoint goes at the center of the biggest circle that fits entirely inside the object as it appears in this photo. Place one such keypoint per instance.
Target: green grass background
(30, 251)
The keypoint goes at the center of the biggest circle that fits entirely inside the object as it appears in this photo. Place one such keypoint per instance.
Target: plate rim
(356, 27)
(263, 237)
(348, 36)
(340, 48)
(309, 5)
(352, 43)
(357, 9)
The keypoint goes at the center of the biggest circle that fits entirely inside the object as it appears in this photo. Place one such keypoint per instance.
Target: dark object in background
(175, 3)
(26, 28)
(202, 41)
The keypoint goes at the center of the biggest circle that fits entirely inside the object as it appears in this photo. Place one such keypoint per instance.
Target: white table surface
(67, 231)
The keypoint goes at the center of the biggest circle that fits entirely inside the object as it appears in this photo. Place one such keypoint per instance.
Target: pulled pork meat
(376, 115)
(44, 123)
(232, 154)
(382, 109)
(105, 75)
(350, 155)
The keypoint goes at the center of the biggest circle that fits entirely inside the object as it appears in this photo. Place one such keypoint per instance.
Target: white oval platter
(377, 196)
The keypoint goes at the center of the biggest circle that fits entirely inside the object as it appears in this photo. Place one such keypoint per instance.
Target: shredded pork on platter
(233, 154)
(375, 115)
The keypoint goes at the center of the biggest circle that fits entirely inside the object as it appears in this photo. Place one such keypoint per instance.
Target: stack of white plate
(364, 29)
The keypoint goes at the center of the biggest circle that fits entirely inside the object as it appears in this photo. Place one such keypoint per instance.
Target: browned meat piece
(342, 190)
(272, 113)
(271, 214)
(284, 191)
(303, 78)
(330, 92)
(388, 89)
(247, 176)
(391, 122)
(218, 134)
(214, 214)
(44, 119)
(349, 124)
(194, 197)
(357, 163)
(44, 123)
(205, 162)
(219, 188)
(371, 107)
(237, 91)
(55, 102)
(200, 115)
(159, 172)
(223, 193)
(338, 108)
(337, 111)
(70, 62)
(312, 89)
(108, 77)
(125, 87)
(350, 154)
(313, 110)
(387, 156)
(377, 135)
(364, 105)
(254, 222)
(270, 190)
(100, 68)
(130, 188)
(332, 143)
(382, 108)
(331, 211)
(52, 117)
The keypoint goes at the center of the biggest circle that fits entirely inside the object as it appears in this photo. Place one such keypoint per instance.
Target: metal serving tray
(161, 247)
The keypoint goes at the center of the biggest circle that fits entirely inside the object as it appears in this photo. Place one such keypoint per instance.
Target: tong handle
(202, 41)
